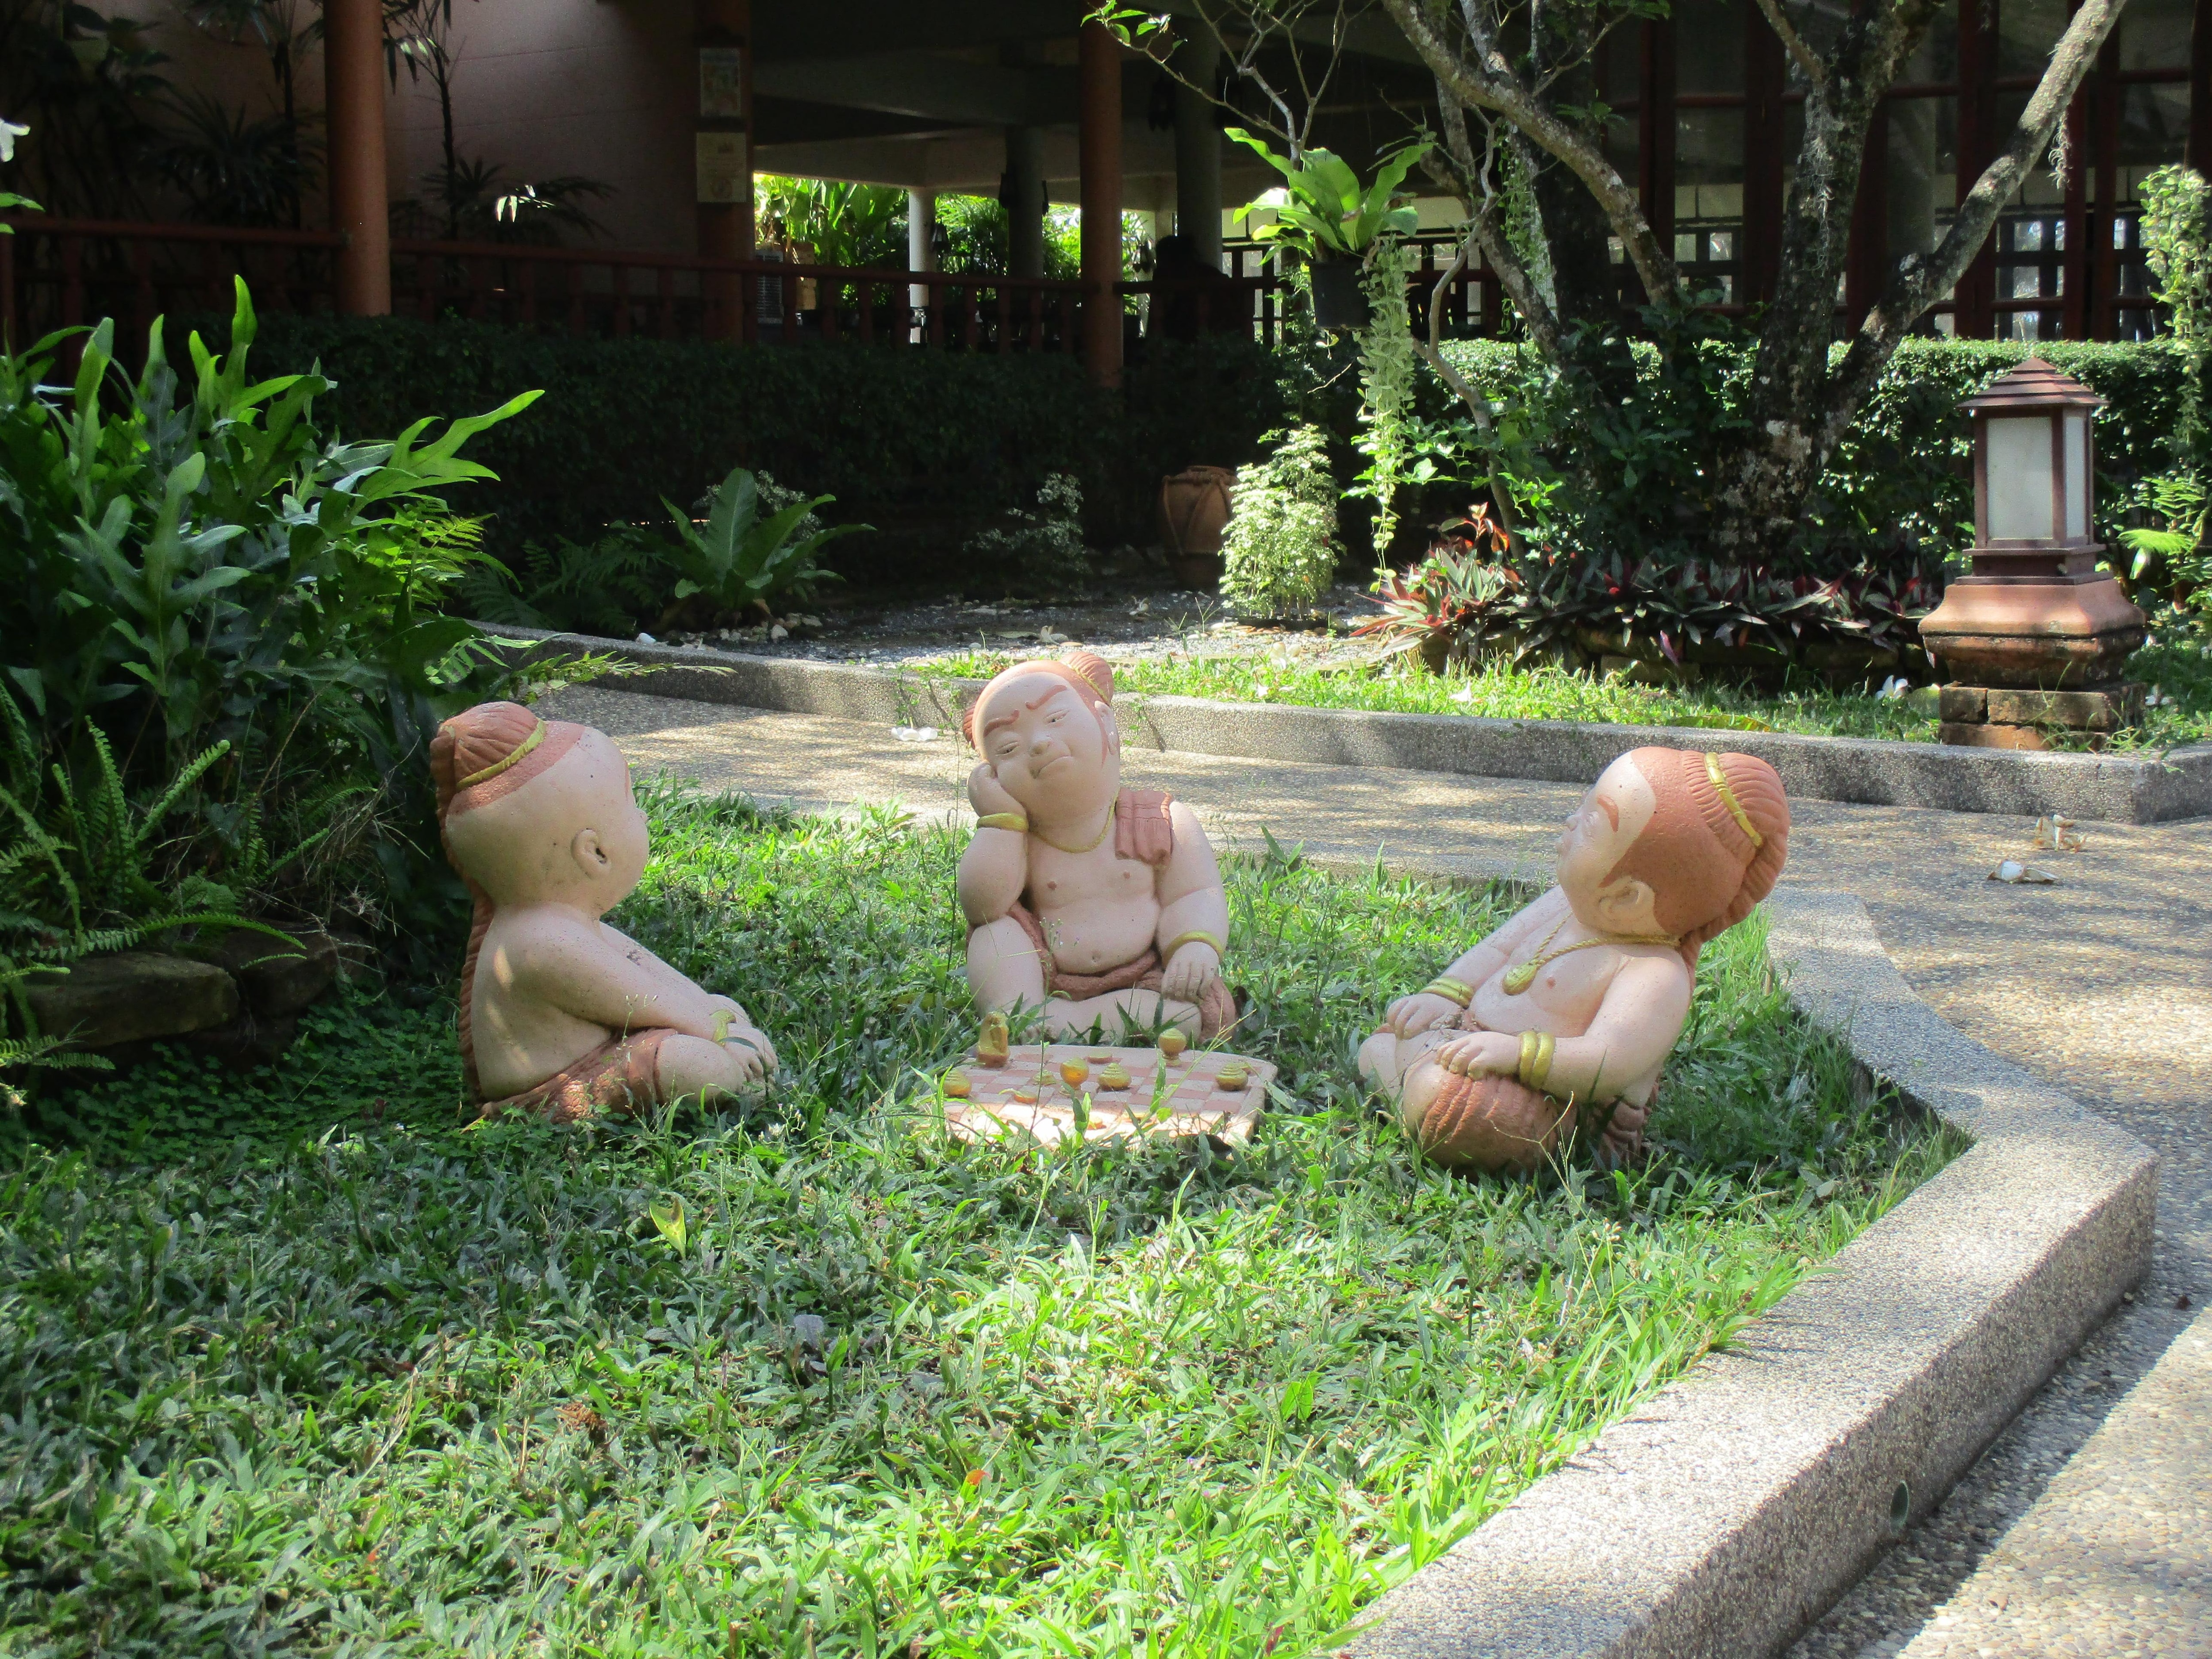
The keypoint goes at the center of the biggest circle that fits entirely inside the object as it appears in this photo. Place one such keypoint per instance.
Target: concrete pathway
(2087, 1529)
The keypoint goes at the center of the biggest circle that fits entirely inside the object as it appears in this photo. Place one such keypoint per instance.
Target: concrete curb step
(1736, 1505)
(2123, 788)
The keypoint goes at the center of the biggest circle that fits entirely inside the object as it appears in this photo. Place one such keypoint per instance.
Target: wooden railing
(58, 273)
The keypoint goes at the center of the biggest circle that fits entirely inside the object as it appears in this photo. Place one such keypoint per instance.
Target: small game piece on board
(1172, 1043)
(1073, 1071)
(991, 1044)
(1232, 1076)
(1115, 1076)
(957, 1084)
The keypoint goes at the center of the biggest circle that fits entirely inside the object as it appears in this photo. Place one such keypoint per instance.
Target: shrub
(1039, 551)
(930, 446)
(213, 608)
(1281, 551)
(1894, 507)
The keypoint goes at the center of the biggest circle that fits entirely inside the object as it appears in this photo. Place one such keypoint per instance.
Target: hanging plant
(2177, 232)
(1386, 388)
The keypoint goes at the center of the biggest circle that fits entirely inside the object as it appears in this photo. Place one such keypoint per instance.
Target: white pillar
(1197, 148)
(920, 248)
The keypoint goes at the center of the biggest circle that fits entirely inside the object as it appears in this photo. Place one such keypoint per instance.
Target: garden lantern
(2037, 614)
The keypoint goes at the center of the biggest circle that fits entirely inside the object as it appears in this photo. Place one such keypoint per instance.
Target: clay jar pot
(1195, 508)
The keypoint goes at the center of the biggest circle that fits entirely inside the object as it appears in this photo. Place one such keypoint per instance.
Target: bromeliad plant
(1442, 609)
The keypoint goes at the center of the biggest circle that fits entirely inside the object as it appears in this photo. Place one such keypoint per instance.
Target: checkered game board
(1030, 1094)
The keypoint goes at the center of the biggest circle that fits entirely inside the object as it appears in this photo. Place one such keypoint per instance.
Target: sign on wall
(724, 175)
(722, 83)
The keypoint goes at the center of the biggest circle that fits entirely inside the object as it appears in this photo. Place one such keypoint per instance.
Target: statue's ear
(590, 854)
(1625, 905)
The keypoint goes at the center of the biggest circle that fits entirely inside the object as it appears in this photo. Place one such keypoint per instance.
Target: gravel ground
(1161, 623)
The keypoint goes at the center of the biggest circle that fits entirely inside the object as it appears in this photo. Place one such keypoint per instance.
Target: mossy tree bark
(1534, 98)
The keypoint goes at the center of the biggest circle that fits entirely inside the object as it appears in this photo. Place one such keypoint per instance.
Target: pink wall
(590, 87)
(599, 88)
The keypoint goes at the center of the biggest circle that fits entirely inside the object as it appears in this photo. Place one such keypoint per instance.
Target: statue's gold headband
(537, 736)
(1728, 799)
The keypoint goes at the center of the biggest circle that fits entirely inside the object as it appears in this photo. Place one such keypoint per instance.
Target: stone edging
(1733, 1508)
(2124, 788)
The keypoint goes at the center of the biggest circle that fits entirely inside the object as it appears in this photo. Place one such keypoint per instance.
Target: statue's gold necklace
(1096, 841)
(1518, 979)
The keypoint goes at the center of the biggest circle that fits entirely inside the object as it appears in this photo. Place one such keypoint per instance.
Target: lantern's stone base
(2063, 628)
(2004, 717)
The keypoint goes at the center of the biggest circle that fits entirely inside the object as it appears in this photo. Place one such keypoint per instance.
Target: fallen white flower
(1893, 688)
(646, 639)
(9, 132)
(2019, 874)
(914, 733)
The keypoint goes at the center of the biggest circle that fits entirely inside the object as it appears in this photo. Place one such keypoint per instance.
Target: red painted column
(1098, 73)
(1655, 139)
(2198, 150)
(1866, 264)
(352, 91)
(1765, 80)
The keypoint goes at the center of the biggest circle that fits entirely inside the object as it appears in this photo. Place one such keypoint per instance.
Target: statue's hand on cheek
(987, 795)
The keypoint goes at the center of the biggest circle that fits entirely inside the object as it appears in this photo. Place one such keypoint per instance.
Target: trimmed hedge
(926, 445)
(929, 446)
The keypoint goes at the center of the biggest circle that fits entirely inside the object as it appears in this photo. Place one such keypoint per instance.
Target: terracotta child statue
(1099, 905)
(561, 1015)
(1576, 1003)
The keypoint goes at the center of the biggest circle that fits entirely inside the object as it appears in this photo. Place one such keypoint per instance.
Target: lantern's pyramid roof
(2034, 384)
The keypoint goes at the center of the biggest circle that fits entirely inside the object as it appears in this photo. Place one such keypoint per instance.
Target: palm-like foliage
(236, 169)
(740, 558)
(850, 225)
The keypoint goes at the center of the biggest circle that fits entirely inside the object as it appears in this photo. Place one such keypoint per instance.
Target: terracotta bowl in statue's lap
(1040, 1090)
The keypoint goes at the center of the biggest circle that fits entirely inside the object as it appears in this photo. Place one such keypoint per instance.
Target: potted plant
(1334, 224)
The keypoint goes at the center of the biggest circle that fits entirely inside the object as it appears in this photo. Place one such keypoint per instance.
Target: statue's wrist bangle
(1536, 1050)
(1449, 989)
(1013, 820)
(1198, 935)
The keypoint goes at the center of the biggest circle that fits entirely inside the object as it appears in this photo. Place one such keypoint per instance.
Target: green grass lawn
(2180, 667)
(295, 1365)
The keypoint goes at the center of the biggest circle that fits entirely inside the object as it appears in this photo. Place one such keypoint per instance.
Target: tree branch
(1491, 84)
(1478, 405)
(1807, 59)
(1919, 285)
(1476, 194)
